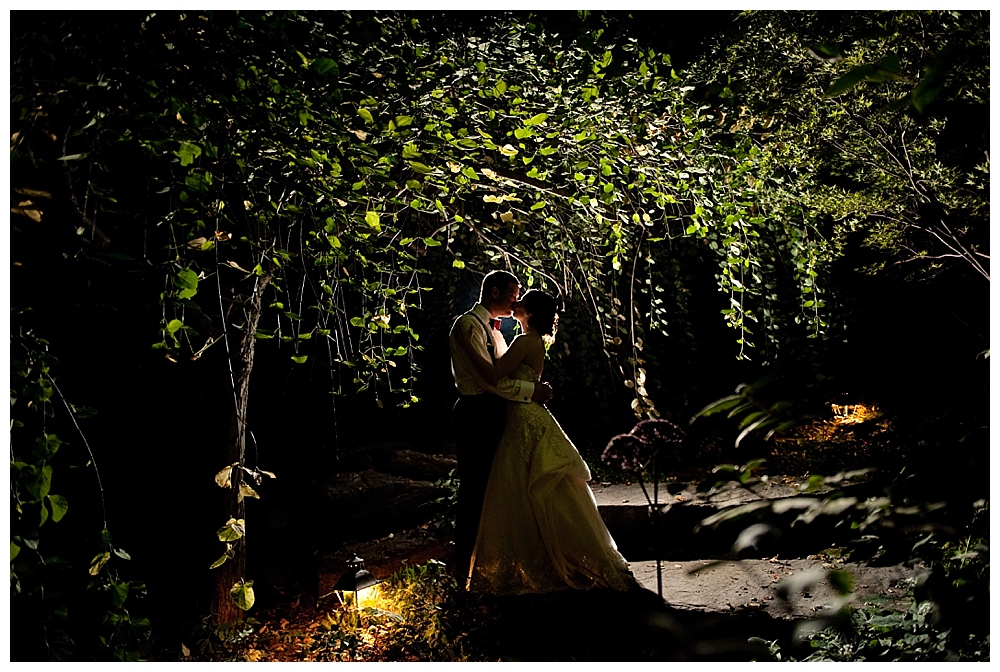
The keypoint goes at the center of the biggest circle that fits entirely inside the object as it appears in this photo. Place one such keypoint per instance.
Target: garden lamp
(356, 579)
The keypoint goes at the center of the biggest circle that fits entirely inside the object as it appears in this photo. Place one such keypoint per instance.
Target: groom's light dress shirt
(468, 380)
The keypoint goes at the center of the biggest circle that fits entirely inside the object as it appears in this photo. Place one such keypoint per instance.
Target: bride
(540, 529)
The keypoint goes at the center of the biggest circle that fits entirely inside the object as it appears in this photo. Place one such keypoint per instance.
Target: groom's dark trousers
(477, 422)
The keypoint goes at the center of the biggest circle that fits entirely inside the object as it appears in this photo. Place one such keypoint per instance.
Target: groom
(480, 412)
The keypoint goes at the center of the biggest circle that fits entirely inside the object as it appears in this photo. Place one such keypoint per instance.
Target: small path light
(356, 583)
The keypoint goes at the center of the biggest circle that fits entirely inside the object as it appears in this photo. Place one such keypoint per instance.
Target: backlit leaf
(242, 594)
(188, 152)
(98, 562)
(28, 209)
(246, 491)
(187, 281)
(233, 529)
(223, 478)
(221, 561)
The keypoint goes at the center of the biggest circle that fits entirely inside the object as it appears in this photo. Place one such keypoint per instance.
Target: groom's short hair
(498, 279)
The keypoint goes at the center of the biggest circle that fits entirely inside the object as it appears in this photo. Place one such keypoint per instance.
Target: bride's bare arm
(519, 350)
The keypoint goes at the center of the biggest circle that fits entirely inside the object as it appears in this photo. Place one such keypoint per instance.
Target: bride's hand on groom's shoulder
(542, 393)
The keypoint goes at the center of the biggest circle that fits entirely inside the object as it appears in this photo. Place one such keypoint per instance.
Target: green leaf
(825, 51)
(926, 92)
(420, 168)
(326, 66)
(46, 446)
(747, 431)
(366, 115)
(719, 405)
(889, 64)
(37, 480)
(59, 507)
(430, 242)
(187, 281)
(14, 550)
(410, 151)
(233, 530)
(539, 205)
(188, 152)
(750, 417)
(119, 594)
(849, 81)
(300, 359)
(221, 561)
(173, 326)
(403, 121)
(372, 220)
(242, 594)
(458, 263)
(537, 119)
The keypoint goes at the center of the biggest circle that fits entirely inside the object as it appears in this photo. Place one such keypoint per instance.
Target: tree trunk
(234, 570)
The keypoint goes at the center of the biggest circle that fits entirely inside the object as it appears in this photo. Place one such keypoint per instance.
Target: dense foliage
(319, 192)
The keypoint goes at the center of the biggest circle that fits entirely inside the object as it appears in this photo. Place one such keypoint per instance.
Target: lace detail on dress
(532, 427)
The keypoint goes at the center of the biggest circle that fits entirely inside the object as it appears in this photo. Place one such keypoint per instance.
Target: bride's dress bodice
(524, 372)
(538, 436)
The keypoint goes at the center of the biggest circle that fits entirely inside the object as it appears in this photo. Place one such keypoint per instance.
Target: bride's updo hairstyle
(544, 317)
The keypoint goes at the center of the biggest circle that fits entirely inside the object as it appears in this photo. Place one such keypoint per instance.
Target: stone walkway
(789, 588)
(740, 585)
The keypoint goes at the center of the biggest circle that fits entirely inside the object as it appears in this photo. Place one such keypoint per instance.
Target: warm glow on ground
(370, 597)
(852, 414)
(840, 427)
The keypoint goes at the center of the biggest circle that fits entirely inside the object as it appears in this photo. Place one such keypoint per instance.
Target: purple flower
(647, 441)
(623, 451)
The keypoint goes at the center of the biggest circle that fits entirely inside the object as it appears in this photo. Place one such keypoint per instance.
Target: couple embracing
(527, 521)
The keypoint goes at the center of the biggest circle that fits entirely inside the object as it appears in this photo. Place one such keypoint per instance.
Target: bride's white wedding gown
(540, 529)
